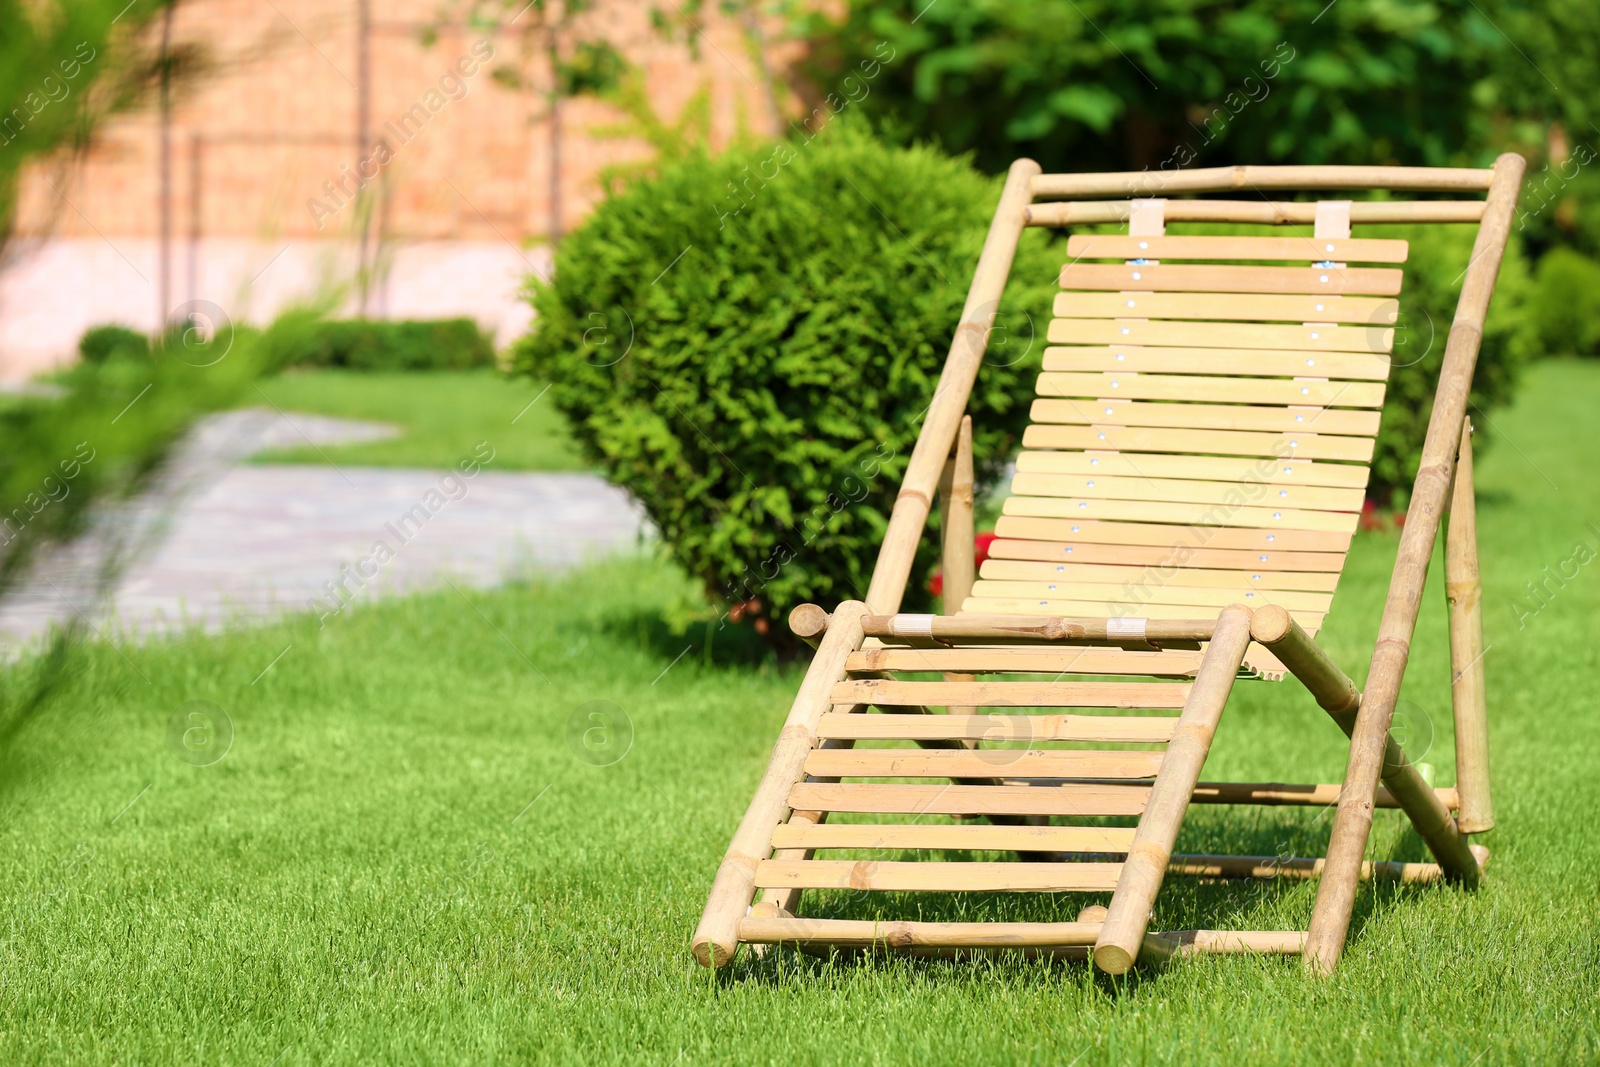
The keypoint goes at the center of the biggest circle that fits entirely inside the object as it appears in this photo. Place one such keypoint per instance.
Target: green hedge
(1562, 309)
(392, 345)
(747, 345)
(303, 338)
(1434, 272)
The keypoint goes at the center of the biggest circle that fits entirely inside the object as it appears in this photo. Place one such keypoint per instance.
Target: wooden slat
(982, 763)
(1214, 442)
(1016, 570)
(1311, 621)
(1257, 491)
(1113, 412)
(1316, 249)
(1174, 538)
(938, 877)
(1027, 661)
(1177, 334)
(1239, 307)
(890, 693)
(1133, 595)
(1217, 390)
(1013, 547)
(1180, 512)
(1203, 468)
(864, 933)
(1246, 362)
(1073, 798)
(1255, 178)
(1260, 212)
(1216, 278)
(1121, 729)
(967, 838)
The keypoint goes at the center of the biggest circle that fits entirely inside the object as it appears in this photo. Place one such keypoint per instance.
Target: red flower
(980, 552)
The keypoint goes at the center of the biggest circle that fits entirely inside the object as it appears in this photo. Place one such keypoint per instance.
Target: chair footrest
(1079, 936)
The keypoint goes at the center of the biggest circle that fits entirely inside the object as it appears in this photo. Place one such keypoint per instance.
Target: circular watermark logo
(599, 733)
(199, 733)
(1014, 731)
(1412, 730)
(201, 333)
(1414, 335)
(1011, 334)
(601, 344)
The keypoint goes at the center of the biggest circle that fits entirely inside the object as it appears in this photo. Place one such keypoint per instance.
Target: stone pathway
(215, 541)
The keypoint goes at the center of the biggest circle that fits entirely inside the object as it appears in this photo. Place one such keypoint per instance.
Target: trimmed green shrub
(747, 344)
(100, 343)
(1562, 308)
(391, 345)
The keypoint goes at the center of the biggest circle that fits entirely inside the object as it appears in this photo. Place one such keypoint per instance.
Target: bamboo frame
(911, 506)
(1128, 915)
(959, 531)
(1145, 183)
(941, 630)
(1330, 919)
(1463, 593)
(1339, 697)
(1436, 488)
(1265, 212)
(716, 939)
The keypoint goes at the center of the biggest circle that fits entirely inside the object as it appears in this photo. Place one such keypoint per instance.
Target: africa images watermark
(854, 89)
(52, 490)
(451, 487)
(453, 86)
(52, 90)
(1539, 593)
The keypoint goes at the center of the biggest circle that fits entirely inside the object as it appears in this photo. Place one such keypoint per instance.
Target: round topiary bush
(101, 343)
(747, 345)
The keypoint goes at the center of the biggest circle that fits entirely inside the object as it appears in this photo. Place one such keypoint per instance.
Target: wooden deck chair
(1180, 515)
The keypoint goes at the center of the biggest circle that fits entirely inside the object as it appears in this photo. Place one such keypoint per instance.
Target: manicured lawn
(402, 857)
(444, 413)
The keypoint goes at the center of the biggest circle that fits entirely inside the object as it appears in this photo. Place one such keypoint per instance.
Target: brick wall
(272, 118)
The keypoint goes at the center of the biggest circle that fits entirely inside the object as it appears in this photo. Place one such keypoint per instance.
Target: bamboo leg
(716, 939)
(1467, 695)
(1330, 919)
(960, 537)
(1128, 916)
(943, 420)
(1339, 697)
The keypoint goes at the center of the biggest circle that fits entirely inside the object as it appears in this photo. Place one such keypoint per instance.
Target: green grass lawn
(401, 857)
(444, 414)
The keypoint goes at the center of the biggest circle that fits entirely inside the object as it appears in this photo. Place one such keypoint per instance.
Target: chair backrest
(1204, 426)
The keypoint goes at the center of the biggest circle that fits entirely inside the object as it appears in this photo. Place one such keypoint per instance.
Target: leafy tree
(1110, 85)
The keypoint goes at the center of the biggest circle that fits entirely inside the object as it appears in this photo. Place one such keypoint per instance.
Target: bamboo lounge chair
(1180, 515)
